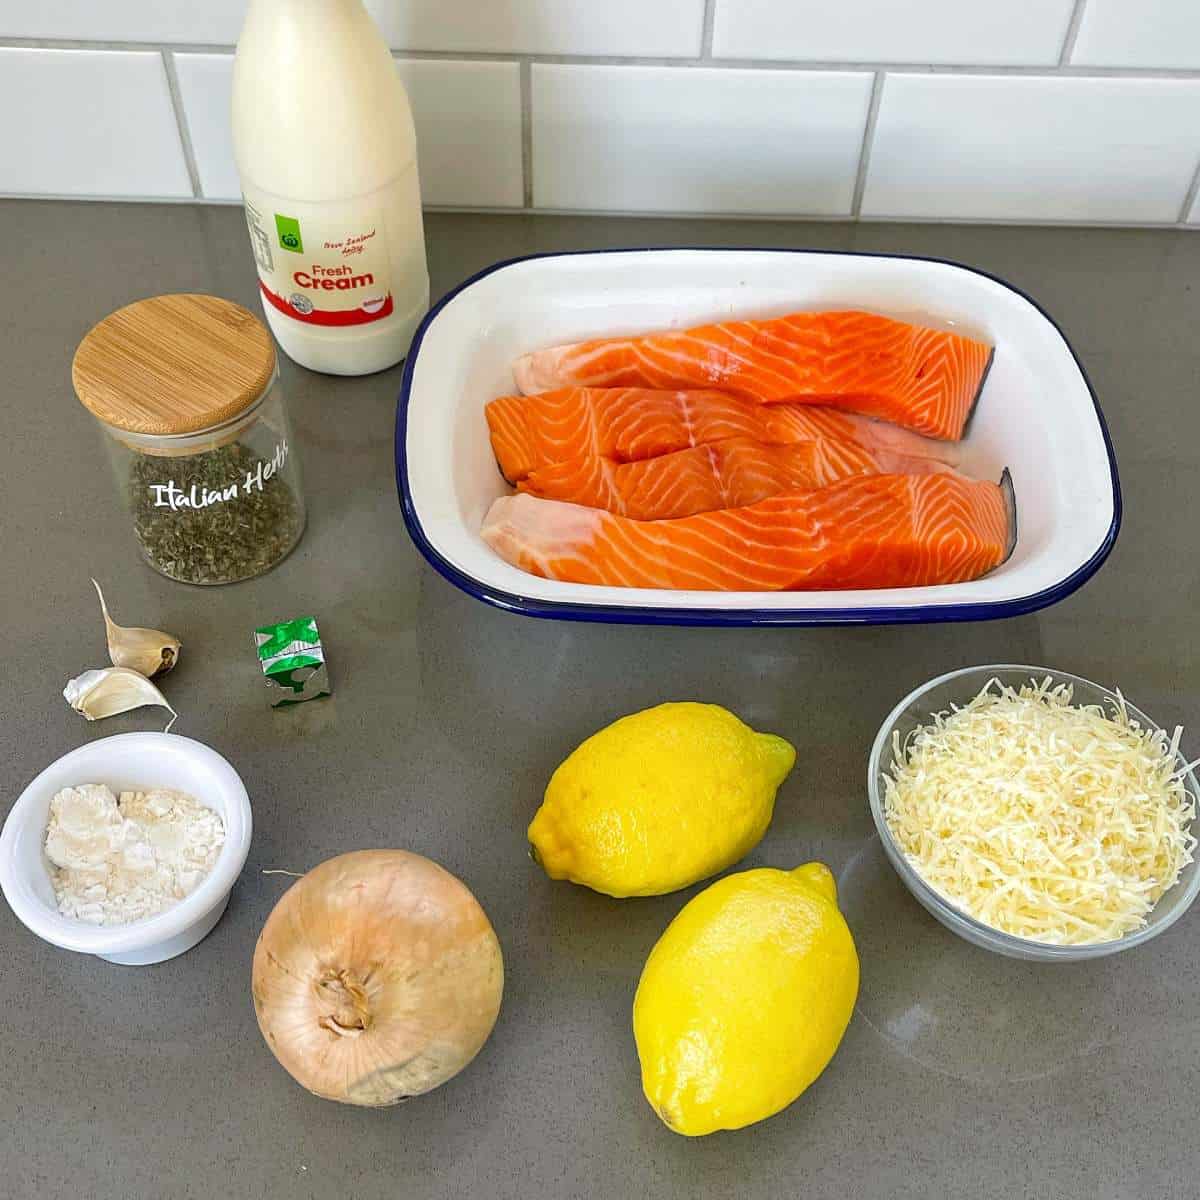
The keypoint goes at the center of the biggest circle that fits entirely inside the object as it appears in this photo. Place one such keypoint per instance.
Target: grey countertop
(962, 1074)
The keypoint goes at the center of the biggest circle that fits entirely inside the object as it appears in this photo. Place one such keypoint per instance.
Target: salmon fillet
(870, 531)
(728, 474)
(924, 379)
(631, 424)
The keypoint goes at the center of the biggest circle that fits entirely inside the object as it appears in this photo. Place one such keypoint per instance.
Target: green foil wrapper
(293, 661)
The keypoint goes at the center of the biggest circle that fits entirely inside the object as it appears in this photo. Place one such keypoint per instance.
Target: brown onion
(377, 977)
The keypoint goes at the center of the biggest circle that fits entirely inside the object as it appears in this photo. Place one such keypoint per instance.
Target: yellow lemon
(659, 800)
(744, 999)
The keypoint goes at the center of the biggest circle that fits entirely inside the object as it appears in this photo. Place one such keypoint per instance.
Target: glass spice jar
(186, 388)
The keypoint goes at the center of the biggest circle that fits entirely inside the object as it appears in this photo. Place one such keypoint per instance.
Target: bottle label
(328, 271)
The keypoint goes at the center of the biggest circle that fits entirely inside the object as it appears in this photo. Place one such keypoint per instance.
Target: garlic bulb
(377, 977)
(106, 691)
(147, 651)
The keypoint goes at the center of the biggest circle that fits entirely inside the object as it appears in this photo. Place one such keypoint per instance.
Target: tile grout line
(773, 218)
(527, 134)
(1190, 199)
(181, 124)
(752, 218)
(1050, 70)
(28, 43)
(948, 70)
(706, 30)
(1072, 34)
(868, 138)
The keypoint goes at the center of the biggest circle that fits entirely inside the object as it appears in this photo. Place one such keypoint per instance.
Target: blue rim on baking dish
(612, 612)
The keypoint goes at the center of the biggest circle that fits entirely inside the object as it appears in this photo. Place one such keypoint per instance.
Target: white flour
(118, 861)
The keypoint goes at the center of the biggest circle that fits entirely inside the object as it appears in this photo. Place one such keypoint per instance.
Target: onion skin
(376, 977)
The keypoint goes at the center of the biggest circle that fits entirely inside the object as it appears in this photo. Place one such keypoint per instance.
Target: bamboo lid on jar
(173, 365)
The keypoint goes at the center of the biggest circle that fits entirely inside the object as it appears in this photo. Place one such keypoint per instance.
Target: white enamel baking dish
(1036, 415)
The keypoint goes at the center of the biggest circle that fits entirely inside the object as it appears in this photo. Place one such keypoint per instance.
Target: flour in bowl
(119, 860)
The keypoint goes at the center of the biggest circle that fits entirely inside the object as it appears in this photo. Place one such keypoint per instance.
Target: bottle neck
(300, 7)
(311, 16)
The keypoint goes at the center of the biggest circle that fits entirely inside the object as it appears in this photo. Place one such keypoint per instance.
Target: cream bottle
(324, 142)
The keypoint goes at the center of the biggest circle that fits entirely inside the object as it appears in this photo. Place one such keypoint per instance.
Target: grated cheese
(1058, 823)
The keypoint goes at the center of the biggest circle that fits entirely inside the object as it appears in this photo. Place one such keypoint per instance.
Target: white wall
(1014, 110)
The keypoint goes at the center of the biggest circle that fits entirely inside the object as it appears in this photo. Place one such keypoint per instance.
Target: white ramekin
(124, 762)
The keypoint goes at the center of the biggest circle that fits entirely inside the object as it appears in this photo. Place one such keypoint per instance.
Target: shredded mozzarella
(1058, 823)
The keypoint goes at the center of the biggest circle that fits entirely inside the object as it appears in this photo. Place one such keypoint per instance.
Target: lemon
(659, 800)
(744, 999)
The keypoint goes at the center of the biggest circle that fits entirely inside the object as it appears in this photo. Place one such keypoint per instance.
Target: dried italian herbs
(216, 517)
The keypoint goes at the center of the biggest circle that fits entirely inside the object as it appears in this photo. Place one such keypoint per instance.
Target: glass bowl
(957, 688)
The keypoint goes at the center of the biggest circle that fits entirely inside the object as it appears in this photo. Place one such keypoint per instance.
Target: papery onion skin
(376, 977)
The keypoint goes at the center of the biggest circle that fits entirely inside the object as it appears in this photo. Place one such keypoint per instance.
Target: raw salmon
(629, 424)
(924, 379)
(870, 531)
(728, 474)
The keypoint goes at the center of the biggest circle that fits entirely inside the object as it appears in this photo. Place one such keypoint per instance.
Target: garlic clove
(106, 691)
(147, 651)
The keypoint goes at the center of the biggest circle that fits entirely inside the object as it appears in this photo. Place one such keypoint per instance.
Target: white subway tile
(88, 123)
(1022, 148)
(651, 139)
(646, 27)
(217, 21)
(1139, 33)
(667, 28)
(468, 118)
(982, 32)
(204, 87)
